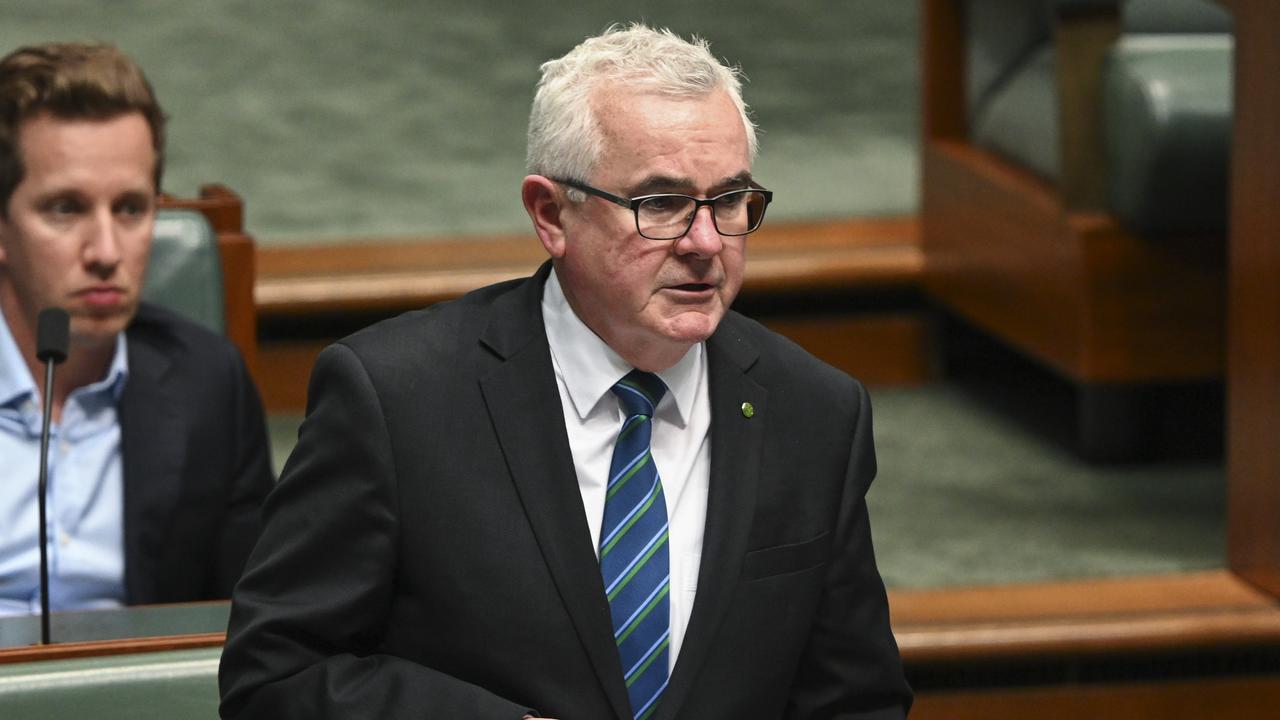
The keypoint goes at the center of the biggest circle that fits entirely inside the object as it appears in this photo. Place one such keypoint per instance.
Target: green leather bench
(173, 685)
(1166, 105)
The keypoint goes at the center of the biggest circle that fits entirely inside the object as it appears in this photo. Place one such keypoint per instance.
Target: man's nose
(702, 240)
(102, 246)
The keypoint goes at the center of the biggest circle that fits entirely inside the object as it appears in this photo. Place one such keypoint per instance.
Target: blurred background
(397, 118)
(349, 121)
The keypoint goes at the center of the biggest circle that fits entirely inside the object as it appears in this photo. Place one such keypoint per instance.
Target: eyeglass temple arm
(624, 202)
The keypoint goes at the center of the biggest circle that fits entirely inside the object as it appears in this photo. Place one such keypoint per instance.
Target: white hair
(564, 135)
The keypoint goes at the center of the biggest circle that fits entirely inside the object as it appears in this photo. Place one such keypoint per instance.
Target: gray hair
(564, 136)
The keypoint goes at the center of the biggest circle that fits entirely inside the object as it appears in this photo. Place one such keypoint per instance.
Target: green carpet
(341, 118)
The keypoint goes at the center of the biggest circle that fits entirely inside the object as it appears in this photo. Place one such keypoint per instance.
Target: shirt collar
(117, 373)
(17, 384)
(590, 368)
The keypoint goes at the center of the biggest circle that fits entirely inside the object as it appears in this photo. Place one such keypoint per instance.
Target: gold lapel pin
(748, 410)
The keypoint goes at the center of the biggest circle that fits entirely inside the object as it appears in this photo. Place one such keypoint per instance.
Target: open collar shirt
(85, 489)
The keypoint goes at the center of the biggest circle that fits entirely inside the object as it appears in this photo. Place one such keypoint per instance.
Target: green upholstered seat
(1166, 117)
(1167, 133)
(185, 271)
(139, 686)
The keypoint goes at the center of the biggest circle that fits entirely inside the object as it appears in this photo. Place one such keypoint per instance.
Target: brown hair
(70, 81)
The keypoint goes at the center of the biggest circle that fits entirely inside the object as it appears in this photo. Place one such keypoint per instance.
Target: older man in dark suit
(593, 493)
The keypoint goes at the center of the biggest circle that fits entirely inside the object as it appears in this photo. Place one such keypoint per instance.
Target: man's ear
(542, 200)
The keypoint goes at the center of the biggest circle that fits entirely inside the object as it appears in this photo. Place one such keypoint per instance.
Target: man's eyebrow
(667, 183)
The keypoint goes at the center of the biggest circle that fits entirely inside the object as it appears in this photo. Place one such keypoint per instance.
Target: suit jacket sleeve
(309, 614)
(851, 667)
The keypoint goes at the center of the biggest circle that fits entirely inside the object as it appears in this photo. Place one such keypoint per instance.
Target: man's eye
(732, 200)
(64, 206)
(132, 208)
(665, 204)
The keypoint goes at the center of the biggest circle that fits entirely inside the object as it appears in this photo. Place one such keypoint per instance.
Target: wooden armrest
(1082, 36)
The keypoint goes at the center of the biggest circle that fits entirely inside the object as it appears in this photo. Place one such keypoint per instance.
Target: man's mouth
(693, 287)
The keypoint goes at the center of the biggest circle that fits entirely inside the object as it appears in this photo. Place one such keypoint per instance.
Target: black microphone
(53, 335)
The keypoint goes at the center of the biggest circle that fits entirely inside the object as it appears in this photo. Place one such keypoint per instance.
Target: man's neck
(85, 364)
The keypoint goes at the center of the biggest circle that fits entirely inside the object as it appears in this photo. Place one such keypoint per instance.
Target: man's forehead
(53, 146)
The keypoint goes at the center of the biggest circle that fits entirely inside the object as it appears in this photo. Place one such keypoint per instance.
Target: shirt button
(63, 538)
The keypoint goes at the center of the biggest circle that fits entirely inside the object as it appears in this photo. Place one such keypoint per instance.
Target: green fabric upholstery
(185, 271)
(1020, 120)
(1175, 16)
(1167, 112)
(1167, 133)
(142, 686)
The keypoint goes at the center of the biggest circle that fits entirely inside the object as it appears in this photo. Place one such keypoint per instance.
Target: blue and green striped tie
(633, 548)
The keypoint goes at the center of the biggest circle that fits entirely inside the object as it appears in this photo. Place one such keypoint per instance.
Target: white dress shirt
(586, 370)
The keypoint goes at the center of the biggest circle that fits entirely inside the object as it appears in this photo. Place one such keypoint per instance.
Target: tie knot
(639, 392)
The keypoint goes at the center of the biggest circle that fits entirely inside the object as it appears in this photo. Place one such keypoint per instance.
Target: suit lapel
(524, 406)
(735, 453)
(152, 448)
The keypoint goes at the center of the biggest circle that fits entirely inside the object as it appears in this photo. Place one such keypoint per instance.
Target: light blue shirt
(85, 491)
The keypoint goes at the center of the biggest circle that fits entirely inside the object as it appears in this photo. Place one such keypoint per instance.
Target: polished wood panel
(945, 113)
(1071, 289)
(878, 349)
(1253, 380)
(1245, 697)
(1082, 39)
(103, 648)
(1091, 617)
(372, 274)
(284, 372)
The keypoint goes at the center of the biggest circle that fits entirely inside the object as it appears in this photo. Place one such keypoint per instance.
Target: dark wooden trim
(1071, 289)
(1091, 617)
(1244, 697)
(1082, 40)
(944, 107)
(104, 648)
(379, 274)
(1253, 376)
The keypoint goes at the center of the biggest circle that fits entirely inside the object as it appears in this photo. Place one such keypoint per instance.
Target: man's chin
(95, 330)
(692, 327)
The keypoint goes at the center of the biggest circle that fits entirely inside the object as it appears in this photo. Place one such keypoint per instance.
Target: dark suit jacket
(196, 461)
(426, 553)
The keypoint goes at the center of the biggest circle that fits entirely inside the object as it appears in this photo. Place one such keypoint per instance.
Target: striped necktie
(633, 548)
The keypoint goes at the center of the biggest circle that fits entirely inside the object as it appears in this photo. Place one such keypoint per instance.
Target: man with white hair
(592, 493)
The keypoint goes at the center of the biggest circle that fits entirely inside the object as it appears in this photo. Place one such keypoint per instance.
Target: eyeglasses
(667, 216)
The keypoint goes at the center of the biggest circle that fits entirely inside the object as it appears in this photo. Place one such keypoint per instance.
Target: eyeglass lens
(665, 217)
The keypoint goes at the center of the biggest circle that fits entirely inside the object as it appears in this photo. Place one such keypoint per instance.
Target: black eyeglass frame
(633, 204)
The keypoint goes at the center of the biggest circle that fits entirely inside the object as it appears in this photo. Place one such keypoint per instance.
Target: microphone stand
(43, 503)
(52, 341)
